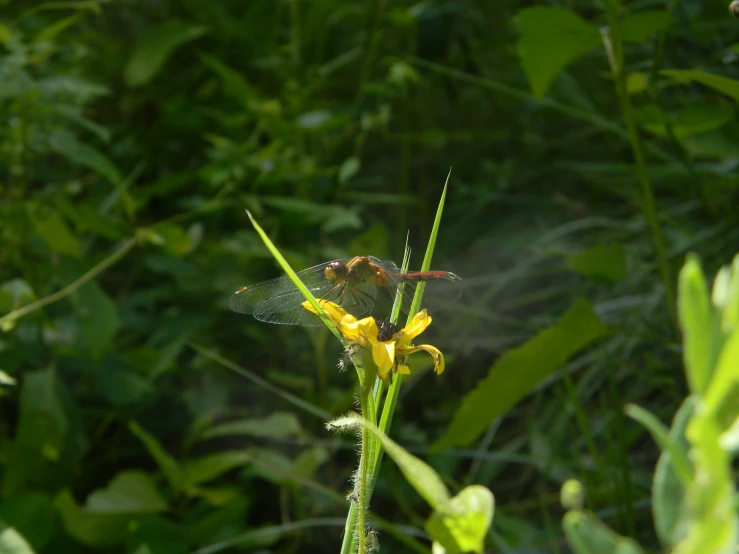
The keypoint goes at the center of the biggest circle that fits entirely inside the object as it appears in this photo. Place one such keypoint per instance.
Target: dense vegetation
(592, 147)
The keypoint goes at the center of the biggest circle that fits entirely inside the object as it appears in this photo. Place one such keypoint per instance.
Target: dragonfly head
(335, 272)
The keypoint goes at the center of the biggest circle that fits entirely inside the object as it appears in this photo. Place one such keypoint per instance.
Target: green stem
(614, 49)
(69, 289)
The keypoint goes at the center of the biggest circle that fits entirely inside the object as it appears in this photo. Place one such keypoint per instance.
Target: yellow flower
(389, 354)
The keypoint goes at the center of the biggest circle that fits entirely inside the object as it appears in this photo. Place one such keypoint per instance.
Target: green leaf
(153, 48)
(32, 514)
(464, 528)
(550, 40)
(12, 542)
(50, 228)
(276, 425)
(418, 473)
(724, 85)
(668, 491)
(43, 422)
(130, 492)
(349, 168)
(520, 370)
(209, 467)
(166, 463)
(606, 261)
(80, 153)
(722, 394)
(640, 26)
(636, 82)
(688, 121)
(97, 316)
(700, 326)
(50, 32)
(586, 534)
(96, 530)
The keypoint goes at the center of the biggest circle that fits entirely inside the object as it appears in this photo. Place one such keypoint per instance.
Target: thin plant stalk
(614, 49)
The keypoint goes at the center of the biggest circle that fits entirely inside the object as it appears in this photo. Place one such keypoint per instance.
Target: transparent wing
(246, 300)
(287, 308)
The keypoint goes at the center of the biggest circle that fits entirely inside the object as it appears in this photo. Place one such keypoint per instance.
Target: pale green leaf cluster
(693, 491)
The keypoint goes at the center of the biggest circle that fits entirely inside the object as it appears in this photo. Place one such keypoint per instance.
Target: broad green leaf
(640, 26)
(276, 425)
(699, 323)
(719, 83)
(95, 530)
(130, 492)
(83, 154)
(725, 296)
(97, 316)
(32, 514)
(418, 473)
(7, 380)
(636, 82)
(308, 461)
(520, 370)
(586, 534)
(606, 261)
(12, 542)
(550, 40)
(668, 491)
(463, 529)
(50, 228)
(349, 168)
(209, 467)
(153, 48)
(166, 462)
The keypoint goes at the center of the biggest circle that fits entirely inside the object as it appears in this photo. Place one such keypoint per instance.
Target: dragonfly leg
(340, 287)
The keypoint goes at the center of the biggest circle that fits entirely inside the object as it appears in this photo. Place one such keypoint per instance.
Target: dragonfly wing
(246, 299)
(437, 294)
(286, 309)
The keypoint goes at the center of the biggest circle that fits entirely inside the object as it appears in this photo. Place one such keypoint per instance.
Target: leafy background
(134, 135)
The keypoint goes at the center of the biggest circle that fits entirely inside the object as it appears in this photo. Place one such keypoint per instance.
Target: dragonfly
(352, 283)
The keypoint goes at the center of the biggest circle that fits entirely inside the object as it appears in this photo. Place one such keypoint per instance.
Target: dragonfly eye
(335, 272)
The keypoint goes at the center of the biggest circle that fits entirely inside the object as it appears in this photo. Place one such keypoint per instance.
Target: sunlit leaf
(349, 168)
(700, 326)
(154, 46)
(520, 370)
(551, 39)
(12, 542)
(464, 528)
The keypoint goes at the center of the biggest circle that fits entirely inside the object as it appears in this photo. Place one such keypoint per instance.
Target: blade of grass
(293, 277)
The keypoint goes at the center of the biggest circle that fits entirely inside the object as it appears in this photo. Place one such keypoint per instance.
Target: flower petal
(439, 364)
(417, 326)
(403, 369)
(383, 354)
